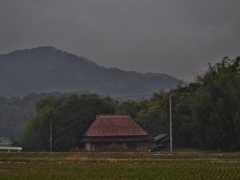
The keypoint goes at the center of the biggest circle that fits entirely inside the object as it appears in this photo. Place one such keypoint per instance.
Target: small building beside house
(115, 132)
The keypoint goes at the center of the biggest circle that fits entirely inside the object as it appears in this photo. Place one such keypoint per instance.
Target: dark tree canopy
(216, 106)
(71, 115)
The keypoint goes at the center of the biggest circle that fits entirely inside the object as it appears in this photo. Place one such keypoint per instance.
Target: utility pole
(50, 135)
(170, 123)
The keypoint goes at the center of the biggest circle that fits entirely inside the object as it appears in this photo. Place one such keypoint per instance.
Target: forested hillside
(46, 69)
(206, 113)
(15, 112)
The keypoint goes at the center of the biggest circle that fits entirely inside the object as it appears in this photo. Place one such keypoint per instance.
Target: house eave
(115, 139)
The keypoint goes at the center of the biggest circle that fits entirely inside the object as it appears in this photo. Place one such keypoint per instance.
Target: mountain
(46, 69)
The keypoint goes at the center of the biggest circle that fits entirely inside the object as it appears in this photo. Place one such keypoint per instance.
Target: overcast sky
(176, 37)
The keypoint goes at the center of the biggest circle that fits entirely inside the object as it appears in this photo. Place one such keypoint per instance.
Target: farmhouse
(115, 132)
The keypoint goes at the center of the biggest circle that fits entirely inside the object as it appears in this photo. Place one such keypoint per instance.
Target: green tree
(154, 118)
(216, 106)
(182, 122)
(71, 116)
(129, 107)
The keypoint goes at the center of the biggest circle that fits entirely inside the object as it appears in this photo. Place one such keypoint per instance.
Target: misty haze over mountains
(46, 69)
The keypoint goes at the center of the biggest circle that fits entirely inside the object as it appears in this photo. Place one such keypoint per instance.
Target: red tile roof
(114, 125)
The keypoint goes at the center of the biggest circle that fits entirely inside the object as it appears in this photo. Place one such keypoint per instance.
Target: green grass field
(161, 165)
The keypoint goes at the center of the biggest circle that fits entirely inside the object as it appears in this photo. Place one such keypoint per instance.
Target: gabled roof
(114, 125)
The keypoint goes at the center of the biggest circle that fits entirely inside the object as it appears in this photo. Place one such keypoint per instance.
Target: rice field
(161, 165)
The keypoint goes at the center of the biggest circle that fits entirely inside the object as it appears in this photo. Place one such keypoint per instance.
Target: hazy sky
(177, 37)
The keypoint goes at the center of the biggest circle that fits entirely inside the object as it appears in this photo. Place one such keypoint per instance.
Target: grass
(180, 165)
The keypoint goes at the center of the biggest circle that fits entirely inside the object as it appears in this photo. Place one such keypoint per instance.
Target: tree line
(205, 113)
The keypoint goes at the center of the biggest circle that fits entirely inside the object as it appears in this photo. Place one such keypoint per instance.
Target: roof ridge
(115, 125)
(109, 115)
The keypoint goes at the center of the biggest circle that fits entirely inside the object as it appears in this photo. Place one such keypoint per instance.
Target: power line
(134, 96)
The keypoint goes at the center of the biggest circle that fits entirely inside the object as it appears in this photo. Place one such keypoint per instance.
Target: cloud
(167, 36)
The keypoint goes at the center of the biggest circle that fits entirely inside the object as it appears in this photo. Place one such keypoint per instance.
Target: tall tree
(71, 115)
(154, 118)
(216, 106)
